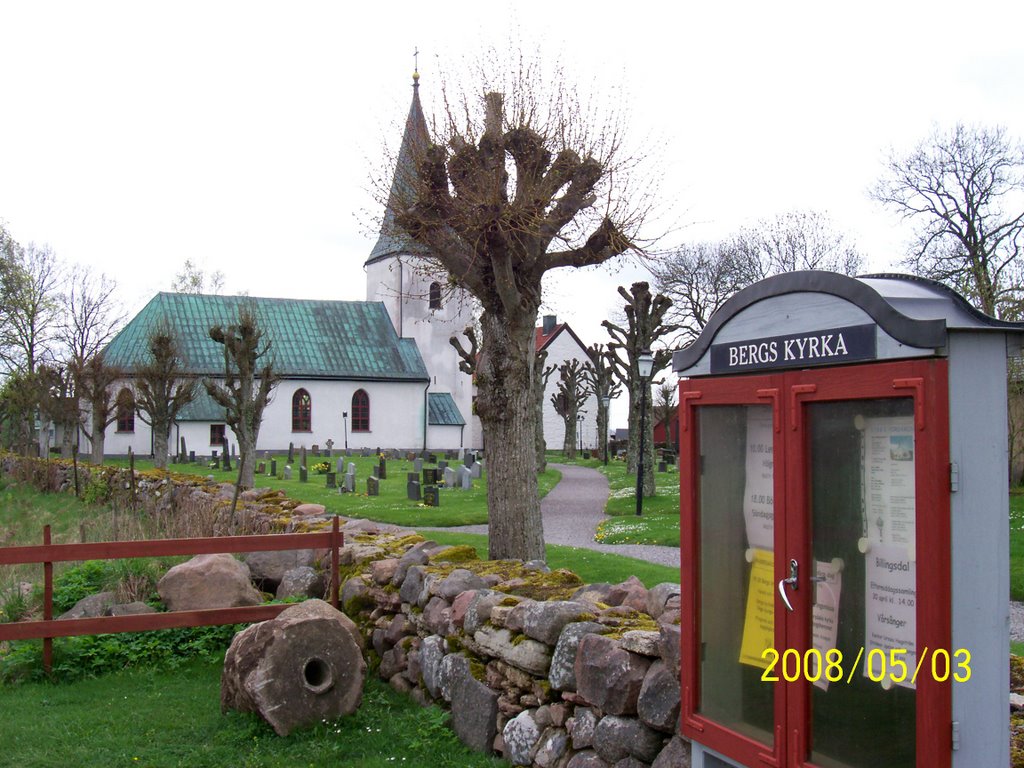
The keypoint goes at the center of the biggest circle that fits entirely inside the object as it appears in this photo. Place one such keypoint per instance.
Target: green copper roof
(310, 339)
(203, 408)
(441, 410)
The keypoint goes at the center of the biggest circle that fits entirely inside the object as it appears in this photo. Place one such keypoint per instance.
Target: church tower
(414, 290)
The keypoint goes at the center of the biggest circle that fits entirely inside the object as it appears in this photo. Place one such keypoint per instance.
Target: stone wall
(534, 665)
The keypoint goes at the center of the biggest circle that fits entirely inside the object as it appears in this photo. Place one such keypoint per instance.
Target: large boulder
(267, 569)
(208, 581)
(90, 607)
(562, 673)
(301, 582)
(658, 704)
(299, 669)
(617, 738)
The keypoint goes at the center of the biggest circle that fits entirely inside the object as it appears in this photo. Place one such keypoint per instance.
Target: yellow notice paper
(759, 623)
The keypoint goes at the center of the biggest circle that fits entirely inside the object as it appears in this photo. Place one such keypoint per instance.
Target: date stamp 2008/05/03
(881, 665)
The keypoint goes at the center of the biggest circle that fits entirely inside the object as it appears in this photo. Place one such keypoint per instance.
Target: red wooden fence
(48, 554)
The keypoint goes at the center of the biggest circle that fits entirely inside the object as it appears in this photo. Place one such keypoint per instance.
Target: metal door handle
(794, 572)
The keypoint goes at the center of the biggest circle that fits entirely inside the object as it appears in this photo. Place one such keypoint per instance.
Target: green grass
(391, 506)
(1017, 544)
(147, 717)
(589, 565)
(25, 511)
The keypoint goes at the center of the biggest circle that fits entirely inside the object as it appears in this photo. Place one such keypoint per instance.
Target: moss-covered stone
(462, 553)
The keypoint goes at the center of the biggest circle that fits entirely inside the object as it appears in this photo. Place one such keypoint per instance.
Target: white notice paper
(889, 482)
(759, 492)
(825, 615)
(890, 600)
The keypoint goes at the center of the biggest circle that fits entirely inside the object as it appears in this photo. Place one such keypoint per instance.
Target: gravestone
(670, 458)
(375, 471)
(316, 450)
(182, 453)
(586, 454)
(431, 458)
(382, 470)
(449, 477)
(291, 453)
(430, 476)
(662, 466)
(287, 472)
(339, 466)
(412, 476)
(431, 497)
(330, 447)
(352, 467)
(332, 480)
(412, 490)
(410, 456)
(477, 470)
(424, 455)
(464, 479)
(469, 459)
(261, 468)
(303, 475)
(372, 486)
(213, 456)
(350, 482)
(302, 461)
(191, 457)
(273, 467)
(365, 452)
(442, 465)
(417, 464)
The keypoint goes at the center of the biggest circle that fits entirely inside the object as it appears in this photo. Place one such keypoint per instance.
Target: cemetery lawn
(164, 719)
(391, 506)
(659, 522)
(1017, 544)
(591, 566)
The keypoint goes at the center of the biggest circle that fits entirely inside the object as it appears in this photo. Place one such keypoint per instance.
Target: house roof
(442, 410)
(309, 338)
(393, 240)
(203, 408)
(542, 340)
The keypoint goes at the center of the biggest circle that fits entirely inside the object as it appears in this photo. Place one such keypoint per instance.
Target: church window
(435, 295)
(302, 411)
(217, 434)
(125, 411)
(360, 411)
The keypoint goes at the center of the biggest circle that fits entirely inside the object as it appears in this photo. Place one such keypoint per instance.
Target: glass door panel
(861, 456)
(736, 544)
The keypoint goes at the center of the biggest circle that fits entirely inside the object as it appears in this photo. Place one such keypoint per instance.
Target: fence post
(335, 586)
(47, 605)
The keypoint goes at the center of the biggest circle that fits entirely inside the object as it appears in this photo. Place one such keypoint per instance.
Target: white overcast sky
(242, 135)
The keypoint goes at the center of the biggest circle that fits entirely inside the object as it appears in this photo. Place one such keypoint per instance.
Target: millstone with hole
(296, 670)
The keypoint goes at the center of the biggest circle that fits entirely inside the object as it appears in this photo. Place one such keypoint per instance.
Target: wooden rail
(49, 553)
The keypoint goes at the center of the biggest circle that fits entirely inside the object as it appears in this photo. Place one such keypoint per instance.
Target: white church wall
(444, 437)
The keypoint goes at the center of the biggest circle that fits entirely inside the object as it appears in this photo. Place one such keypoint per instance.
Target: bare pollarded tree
(162, 388)
(645, 326)
(601, 380)
(572, 392)
(518, 178)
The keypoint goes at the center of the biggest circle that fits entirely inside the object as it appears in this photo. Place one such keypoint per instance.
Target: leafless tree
(645, 327)
(31, 288)
(249, 377)
(162, 388)
(541, 376)
(963, 189)
(94, 380)
(511, 185)
(601, 380)
(572, 392)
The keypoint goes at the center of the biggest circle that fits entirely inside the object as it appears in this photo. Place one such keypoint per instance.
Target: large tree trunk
(98, 436)
(602, 429)
(507, 408)
(569, 443)
(160, 434)
(67, 445)
(540, 444)
(246, 459)
(635, 396)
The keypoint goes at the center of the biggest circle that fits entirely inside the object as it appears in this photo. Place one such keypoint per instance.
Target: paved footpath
(572, 510)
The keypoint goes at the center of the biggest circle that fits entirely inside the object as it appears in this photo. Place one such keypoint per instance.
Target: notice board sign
(831, 346)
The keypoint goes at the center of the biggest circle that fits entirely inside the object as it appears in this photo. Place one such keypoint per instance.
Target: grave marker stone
(350, 482)
(182, 453)
(412, 476)
(332, 480)
(464, 478)
(365, 452)
(469, 459)
(291, 453)
(442, 465)
(412, 490)
(410, 456)
(316, 450)
(662, 466)
(261, 468)
(375, 471)
(227, 457)
(430, 476)
(449, 477)
(352, 467)
(431, 497)
(339, 466)
(330, 447)
(303, 475)
(192, 457)
(476, 470)
(372, 486)
(273, 467)
(432, 458)
(417, 464)
(287, 472)
(382, 470)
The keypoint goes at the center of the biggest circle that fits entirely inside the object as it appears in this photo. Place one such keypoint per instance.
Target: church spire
(394, 241)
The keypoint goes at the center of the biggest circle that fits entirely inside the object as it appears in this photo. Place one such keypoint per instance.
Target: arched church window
(125, 411)
(435, 295)
(360, 411)
(302, 411)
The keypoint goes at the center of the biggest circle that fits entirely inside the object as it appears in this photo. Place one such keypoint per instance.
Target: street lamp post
(344, 417)
(645, 364)
(605, 402)
(579, 427)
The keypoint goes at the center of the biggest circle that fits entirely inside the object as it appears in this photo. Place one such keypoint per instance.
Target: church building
(362, 374)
